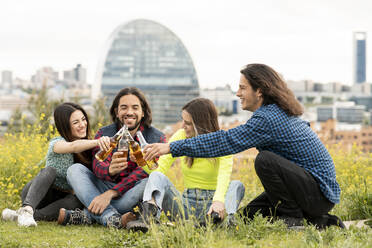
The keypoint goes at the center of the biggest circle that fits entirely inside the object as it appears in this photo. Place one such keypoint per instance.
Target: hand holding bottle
(152, 164)
(101, 155)
(156, 150)
(118, 163)
(104, 143)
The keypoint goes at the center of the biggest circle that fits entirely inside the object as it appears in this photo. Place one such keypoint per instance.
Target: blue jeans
(87, 186)
(193, 202)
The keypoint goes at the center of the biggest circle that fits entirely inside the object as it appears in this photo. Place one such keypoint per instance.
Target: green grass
(19, 163)
(258, 233)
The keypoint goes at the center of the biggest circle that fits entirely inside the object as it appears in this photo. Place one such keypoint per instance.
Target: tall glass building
(360, 51)
(147, 55)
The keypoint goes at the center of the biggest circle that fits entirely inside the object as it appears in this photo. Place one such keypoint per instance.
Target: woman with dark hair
(207, 181)
(49, 191)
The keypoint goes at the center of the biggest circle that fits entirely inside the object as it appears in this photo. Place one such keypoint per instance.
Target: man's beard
(130, 128)
(134, 127)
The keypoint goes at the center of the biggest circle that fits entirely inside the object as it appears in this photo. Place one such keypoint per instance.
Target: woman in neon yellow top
(208, 189)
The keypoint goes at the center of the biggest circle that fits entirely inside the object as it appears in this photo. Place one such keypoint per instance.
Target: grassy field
(19, 163)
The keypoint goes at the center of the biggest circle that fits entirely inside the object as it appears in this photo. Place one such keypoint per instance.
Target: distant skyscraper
(80, 73)
(359, 60)
(149, 56)
(77, 74)
(7, 77)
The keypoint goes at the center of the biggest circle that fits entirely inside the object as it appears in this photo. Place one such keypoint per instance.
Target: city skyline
(299, 39)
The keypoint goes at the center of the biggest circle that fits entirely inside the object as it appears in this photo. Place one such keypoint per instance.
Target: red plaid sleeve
(101, 169)
(163, 139)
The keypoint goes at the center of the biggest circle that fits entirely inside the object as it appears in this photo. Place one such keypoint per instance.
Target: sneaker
(334, 220)
(73, 217)
(26, 217)
(216, 219)
(114, 221)
(293, 223)
(149, 213)
(213, 218)
(9, 215)
(325, 221)
(230, 221)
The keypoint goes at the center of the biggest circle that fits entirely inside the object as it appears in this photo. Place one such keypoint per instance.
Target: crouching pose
(49, 191)
(295, 168)
(208, 190)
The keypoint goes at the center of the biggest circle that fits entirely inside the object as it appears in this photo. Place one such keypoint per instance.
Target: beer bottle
(136, 150)
(152, 164)
(101, 155)
(123, 147)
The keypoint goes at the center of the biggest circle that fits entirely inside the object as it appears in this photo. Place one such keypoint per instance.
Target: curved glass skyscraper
(147, 55)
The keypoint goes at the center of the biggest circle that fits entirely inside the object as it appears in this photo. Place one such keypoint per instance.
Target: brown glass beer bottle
(152, 164)
(101, 155)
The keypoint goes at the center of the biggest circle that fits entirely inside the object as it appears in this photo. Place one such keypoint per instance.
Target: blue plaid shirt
(270, 129)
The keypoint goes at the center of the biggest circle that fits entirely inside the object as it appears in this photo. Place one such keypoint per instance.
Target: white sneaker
(25, 217)
(9, 215)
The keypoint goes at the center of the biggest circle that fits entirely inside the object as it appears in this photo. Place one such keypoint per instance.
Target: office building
(359, 58)
(147, 55)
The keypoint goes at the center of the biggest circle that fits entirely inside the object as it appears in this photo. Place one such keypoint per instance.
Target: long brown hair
(272, 87)
(204, 117)
(147, 118)
(62, 115)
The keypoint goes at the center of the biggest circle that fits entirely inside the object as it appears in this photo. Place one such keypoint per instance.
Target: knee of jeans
(75, 170)
(236, 184)
(156, 175)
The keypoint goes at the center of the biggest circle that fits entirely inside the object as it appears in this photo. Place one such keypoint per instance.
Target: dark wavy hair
(204, 116)
(147, 118)
(272, 87)
(62, 114)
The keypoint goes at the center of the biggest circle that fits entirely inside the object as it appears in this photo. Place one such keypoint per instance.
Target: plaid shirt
(271, 129)
(128, 177)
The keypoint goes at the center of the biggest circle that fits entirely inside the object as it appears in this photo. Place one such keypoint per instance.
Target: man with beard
(116, 185)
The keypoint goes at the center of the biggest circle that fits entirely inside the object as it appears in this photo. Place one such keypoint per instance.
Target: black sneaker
(73, 217)
(326, 220)
(334, 220)
(216, 219)
(114, 221)
(149, 213)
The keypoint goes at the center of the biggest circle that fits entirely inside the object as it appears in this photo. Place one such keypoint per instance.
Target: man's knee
(263, 162)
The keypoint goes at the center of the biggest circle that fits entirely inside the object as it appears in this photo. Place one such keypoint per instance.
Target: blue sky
(300, 39)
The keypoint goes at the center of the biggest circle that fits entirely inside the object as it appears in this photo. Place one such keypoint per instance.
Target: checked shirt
(270, 129)
(128, 177)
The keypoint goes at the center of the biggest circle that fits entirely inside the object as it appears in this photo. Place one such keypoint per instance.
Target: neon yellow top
(205, 173)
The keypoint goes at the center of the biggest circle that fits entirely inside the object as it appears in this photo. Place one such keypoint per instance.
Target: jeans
(193, 202)
(46, 200)
(87, 186)
(289, 190)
